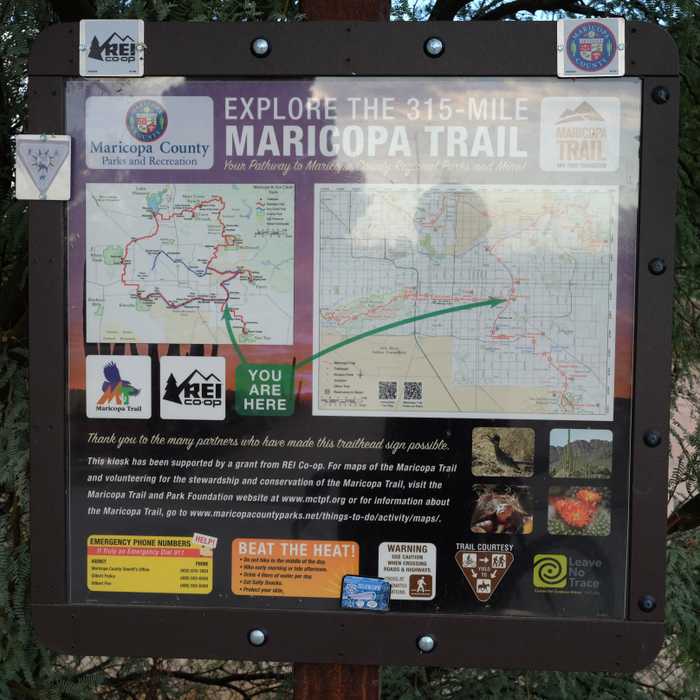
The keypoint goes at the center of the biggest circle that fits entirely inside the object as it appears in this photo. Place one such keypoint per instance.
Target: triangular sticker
(42, 160)
(483, 570)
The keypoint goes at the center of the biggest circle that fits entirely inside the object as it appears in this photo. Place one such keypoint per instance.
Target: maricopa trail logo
(581, 134)
(118, 386)
(115, 388)
(193, 388)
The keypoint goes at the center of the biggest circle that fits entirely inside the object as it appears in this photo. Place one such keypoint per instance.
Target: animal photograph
(503, 451)
(501, 510)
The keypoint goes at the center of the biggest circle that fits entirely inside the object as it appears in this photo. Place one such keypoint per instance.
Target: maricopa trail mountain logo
(118, 386)
(115, 388)
(193, 388)
(580, 134)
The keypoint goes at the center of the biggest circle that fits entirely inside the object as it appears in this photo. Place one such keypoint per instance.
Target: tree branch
(448, 9)
(73, 10)
(511, 9)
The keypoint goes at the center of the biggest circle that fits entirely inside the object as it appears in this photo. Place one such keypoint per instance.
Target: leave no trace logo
(550, 571)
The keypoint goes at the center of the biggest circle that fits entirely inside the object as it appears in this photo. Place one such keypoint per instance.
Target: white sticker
(42, 167)
(410, 568)
(149, 133)
(111, 47)
(118, 386)
(590, 48)
(193, 388)
(206, 541)
(580, 134)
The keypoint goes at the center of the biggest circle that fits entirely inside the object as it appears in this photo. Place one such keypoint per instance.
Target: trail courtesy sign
(305, 323)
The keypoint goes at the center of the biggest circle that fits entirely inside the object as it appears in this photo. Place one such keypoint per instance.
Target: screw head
(260, 47)
(647, 603)
(657, 266)
(257, 637)
(661, 94)
(652, 438)
(426, 643)
(434, 47)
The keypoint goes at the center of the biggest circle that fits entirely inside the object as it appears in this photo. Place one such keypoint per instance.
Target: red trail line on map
(229, 241)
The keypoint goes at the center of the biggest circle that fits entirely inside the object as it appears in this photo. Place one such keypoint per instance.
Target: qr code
(387, 391)
(413, 391)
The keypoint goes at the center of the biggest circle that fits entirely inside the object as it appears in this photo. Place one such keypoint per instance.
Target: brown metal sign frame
(361, 49)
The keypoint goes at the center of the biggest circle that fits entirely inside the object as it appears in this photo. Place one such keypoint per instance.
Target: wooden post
(340, 681)
(335, 682)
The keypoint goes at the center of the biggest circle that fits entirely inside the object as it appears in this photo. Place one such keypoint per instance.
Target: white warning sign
(410, 568)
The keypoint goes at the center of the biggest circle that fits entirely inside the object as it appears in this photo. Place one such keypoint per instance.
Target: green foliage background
(28, 671)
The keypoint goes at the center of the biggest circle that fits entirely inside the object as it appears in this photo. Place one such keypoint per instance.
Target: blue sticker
(361, 593)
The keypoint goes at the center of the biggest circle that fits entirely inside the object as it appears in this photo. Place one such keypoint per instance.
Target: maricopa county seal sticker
(590, 48)
(146, 120)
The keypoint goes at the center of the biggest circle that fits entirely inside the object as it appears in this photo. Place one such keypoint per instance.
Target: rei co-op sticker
(111, 47)
(590, 48)
(483, 570)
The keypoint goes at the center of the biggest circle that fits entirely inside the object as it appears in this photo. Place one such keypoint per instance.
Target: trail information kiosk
(354, 300)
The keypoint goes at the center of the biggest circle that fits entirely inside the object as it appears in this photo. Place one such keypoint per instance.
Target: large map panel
(491, 301)
(165, 262)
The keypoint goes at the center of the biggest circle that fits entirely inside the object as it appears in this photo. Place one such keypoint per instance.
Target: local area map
(164, 262)
(465, 300)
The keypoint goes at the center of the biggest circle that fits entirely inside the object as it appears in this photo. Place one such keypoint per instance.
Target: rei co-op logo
(563, 574)
(118, 386)
(111, 47)
(114, 48)
(580, 134)
(146, 120)
(193, 388)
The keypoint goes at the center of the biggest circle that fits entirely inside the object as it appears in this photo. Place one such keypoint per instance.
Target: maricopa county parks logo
(591, 46)
(146, 120)
(118, 386)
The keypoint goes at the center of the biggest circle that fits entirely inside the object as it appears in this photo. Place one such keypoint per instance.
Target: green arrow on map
(421, 317)
(227, 321)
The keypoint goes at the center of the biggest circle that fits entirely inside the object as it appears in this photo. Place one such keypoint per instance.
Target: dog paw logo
(550, 571)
